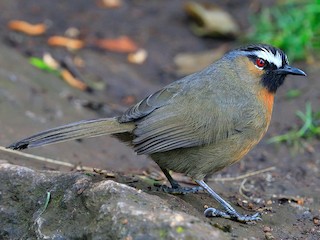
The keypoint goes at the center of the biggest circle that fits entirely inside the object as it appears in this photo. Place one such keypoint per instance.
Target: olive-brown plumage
(197, 125)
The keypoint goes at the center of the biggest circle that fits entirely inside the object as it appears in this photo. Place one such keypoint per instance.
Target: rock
(55, 205)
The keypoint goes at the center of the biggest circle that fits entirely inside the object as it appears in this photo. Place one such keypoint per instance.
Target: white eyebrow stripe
(269, 56)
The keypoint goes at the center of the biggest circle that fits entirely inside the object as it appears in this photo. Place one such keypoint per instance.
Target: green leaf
(40, 64)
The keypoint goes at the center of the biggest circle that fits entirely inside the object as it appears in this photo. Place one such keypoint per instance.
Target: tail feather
(77, 130)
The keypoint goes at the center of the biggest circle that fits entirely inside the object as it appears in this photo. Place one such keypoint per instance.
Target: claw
(248, 218)
(212, 212)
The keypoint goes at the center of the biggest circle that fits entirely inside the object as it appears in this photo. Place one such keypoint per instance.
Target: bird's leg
(175, 186)
(230, 212)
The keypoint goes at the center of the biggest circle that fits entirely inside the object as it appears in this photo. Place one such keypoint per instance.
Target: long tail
(77, 130)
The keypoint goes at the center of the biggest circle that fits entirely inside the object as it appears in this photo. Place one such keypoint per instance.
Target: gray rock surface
(82, 207)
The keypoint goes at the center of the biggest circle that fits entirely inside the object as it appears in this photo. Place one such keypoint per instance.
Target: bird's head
(267, 64)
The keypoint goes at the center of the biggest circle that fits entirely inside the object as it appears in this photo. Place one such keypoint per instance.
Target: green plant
(291, 25)
(310, 128)
(293, 93)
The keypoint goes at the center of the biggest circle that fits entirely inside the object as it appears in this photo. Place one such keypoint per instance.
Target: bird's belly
(197, 162)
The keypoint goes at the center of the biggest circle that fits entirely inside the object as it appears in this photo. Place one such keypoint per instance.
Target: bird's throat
(272, 81)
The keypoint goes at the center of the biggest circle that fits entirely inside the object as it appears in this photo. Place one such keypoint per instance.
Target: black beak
(290, 70)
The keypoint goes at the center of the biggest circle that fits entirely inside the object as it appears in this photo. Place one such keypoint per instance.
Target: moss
(163, 234)
(179, 229)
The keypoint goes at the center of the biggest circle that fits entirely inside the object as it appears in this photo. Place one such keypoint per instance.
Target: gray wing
(168, 120)
(149, 104)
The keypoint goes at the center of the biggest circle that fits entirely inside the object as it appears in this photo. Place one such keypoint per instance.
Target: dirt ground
(32, 100)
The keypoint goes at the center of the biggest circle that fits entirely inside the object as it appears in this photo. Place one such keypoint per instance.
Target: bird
(197, 125)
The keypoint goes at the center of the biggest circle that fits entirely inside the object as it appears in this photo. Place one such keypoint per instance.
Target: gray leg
(175, 186)
(230, 212)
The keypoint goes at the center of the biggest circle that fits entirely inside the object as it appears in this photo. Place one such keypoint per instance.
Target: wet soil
(32, 100)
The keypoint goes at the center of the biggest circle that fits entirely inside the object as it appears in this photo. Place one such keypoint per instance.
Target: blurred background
(63, 61)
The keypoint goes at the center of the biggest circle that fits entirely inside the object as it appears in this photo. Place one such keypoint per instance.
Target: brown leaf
(121, 44)
(110, 3)
(72, 81)
(190, 62)
(27, 28)
(69, 43)
(210, 20)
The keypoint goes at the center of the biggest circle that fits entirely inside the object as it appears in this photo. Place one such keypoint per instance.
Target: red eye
(260, 62)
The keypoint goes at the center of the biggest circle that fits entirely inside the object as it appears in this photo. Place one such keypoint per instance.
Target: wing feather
(149, 104)
(168, 119)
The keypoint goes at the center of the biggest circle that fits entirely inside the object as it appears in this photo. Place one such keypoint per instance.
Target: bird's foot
(180, 190)
(233, 215)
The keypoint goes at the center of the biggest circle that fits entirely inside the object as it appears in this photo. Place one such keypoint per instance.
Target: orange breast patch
(267, 98)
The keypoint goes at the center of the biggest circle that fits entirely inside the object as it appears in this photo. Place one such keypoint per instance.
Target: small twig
(242, 187)
(47, 160)
(250, 174)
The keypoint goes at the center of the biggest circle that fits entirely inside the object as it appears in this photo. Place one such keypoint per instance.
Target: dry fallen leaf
(300, 201)
(188, 63)
(138, 57)
(316, 221)
(110, 3)
(50, 61)
(121, 44)
(72, 81)
(210, 20)
(69, 43)
(27, 28)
